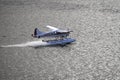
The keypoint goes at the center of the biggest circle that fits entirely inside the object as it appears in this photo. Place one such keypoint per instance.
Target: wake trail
(28, 44)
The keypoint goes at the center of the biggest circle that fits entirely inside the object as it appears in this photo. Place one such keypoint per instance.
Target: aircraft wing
(52, 28)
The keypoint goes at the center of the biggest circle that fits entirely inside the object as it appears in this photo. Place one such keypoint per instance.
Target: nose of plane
(73, 40)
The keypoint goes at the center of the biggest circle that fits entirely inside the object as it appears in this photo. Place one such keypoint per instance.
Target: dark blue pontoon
(61, 42)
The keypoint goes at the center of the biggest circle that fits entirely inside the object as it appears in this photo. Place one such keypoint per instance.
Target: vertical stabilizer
(37, 32)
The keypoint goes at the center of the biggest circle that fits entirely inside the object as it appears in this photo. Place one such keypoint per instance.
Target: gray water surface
(94, 56)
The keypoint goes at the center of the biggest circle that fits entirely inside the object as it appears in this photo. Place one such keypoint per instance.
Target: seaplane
(55, 32)
(62, 41)
(60, 35)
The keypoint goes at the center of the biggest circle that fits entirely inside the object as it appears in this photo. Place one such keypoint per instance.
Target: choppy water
(96, 28)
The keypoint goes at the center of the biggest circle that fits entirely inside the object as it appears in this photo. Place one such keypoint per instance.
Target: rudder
(36, 32)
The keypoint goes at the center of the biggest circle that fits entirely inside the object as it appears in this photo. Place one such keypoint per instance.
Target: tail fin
(36, 32)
